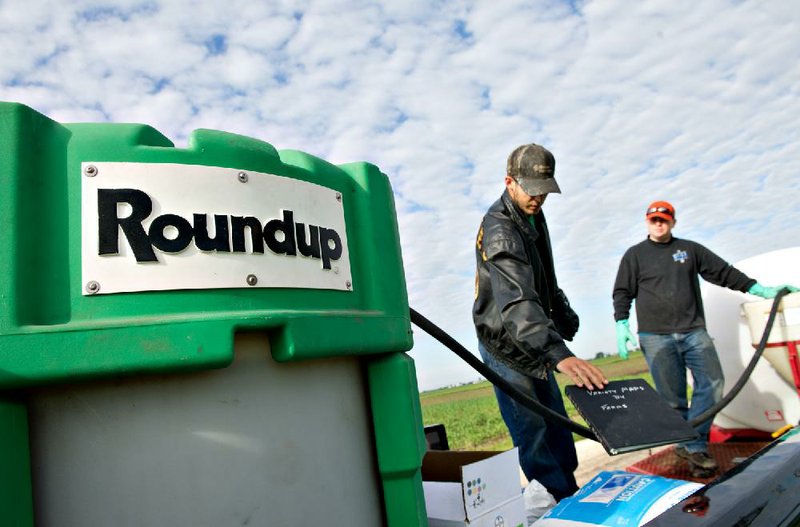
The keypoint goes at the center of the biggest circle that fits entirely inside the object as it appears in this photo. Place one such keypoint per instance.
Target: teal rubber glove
(769, 292)
(624, 335)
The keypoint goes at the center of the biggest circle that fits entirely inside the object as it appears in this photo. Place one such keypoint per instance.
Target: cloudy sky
(693, 102)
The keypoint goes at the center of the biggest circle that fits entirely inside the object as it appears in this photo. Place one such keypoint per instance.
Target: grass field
(471, 416)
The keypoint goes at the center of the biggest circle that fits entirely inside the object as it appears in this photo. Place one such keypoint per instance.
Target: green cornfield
(472, 419)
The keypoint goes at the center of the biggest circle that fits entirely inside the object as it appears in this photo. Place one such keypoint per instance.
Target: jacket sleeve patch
(505, 246)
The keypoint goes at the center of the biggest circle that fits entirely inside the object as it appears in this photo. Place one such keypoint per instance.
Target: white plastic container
(768, 401)
(785, 330)
(258, 443)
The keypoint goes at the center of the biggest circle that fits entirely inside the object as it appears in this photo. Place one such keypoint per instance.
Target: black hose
(745, 376)
(556, 418)
(493, 377)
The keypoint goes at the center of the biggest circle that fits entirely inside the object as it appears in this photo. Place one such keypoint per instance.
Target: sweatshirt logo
(680, 256)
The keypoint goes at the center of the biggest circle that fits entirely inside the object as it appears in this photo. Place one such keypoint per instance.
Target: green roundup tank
(207, 336)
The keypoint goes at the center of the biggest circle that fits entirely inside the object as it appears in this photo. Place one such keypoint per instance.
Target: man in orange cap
(661, 274)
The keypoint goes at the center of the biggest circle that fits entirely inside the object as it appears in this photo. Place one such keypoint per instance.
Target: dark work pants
(546, 451)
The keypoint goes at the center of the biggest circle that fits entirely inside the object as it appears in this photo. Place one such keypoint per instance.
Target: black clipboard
(629, 415)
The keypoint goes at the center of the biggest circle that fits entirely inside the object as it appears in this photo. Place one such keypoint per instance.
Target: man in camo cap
(522, 318)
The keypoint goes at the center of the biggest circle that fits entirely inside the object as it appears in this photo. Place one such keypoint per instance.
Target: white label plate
(186, 190)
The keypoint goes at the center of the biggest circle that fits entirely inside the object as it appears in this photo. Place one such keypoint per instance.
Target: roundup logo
(160, 226)
(281, 236)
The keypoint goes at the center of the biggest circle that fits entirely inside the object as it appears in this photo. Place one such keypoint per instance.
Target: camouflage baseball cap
(533, 167)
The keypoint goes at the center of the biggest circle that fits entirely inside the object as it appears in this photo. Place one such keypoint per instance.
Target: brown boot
(701, 460)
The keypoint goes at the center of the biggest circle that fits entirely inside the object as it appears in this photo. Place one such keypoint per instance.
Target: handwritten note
(617, 395)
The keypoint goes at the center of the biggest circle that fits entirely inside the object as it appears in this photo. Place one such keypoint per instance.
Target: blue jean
(546, 451)
(668, 356)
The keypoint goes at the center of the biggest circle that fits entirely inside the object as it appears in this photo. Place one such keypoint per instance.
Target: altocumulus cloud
(690, 102)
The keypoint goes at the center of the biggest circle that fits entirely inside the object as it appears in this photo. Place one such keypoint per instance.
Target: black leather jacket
(520, 314)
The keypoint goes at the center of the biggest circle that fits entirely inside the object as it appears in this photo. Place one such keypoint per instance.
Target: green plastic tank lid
(122, 254)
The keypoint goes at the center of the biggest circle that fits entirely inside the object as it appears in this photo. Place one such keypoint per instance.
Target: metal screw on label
(348, 285)
(338, 196)
(252, 279)
(90, 170)
(243, 177)
(92, 287)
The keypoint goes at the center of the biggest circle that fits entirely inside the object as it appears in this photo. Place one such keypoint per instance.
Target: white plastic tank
(769, 400)
(784, 337)
(257, 443)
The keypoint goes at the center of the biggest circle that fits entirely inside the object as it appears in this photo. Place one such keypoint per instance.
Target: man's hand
(582, 373)
(624, 335)
(769, 292)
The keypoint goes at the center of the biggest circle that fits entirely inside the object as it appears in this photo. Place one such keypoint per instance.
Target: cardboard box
(474, 489)
(508, 514)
